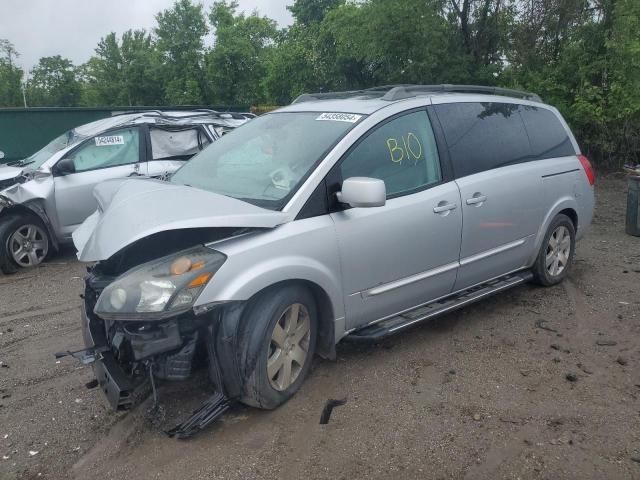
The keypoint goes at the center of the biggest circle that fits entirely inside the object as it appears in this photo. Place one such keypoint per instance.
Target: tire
(554, 261)
(267, 386)
(15, 229)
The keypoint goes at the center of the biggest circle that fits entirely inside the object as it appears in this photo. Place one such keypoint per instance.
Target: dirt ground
(479, 394)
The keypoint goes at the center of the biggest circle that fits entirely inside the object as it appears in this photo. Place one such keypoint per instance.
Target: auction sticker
(109, 140)
(340, 117)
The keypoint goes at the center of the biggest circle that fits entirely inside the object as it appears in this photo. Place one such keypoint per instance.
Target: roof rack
(398, 92)
(167, 114)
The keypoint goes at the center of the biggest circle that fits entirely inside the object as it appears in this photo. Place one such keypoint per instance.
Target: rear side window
(176, 143)
(482, 136)
(402, 152)
(548, 137)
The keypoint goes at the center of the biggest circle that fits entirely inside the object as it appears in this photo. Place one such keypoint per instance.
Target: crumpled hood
(132, 209)
(7, 173)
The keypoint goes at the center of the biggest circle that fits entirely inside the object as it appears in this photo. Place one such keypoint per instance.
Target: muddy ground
(479, 394)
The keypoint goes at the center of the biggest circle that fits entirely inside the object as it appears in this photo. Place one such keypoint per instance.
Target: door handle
(444, 207)
(476, 199)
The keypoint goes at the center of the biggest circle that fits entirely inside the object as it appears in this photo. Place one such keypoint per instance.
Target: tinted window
(482, 136)
(547, 135)
(401, 152)
(118, 147)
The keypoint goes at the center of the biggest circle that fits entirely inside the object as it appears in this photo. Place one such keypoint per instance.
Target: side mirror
(363, 192)
(1, 154)
(64, 167)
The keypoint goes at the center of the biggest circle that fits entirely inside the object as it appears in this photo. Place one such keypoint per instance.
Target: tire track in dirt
(28, 314)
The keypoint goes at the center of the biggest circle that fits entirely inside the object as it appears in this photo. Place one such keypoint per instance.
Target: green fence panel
(24, 131)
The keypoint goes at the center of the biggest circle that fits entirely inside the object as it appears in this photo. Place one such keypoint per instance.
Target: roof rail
(372, 92)
(406, 91)
(398, 92)
(216, 113)
(147, 112)
(168, 114)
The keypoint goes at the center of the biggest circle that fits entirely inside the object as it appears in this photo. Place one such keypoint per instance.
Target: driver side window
(110, 149)
(402, 152)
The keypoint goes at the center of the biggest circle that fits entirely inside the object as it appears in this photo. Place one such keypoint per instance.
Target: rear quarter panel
(564, 186)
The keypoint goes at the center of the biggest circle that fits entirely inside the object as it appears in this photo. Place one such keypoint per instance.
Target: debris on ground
(572, 377)
(622, 361)
(606, 343)
(541, 323)
(584, 368)
(328, 408)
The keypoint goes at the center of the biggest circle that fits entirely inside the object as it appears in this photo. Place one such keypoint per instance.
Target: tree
(124, 73)
(53, 83)
(302, 60)
(310, 12)
(390, 41)
(237, 64)
(294, 66)
(10, 76)
(180, 41)
(482, 27)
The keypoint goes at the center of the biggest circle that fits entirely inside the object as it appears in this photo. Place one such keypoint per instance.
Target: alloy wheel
(558, 251)
(28, 245)
(289, 346)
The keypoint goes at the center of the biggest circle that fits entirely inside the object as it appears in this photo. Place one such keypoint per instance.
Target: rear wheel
(556, 253)
(24, 243)
(282, 330)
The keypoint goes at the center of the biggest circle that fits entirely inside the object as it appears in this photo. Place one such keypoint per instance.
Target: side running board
(386, 328)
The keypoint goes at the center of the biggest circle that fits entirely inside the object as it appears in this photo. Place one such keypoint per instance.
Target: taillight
(588, 169)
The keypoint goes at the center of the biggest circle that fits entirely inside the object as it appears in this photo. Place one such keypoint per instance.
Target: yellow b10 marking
(411, 145)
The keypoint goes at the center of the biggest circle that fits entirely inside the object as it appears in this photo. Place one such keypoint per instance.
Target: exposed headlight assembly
(162, 288)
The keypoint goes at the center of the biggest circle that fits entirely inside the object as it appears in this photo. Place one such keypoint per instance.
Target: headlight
(161, 288)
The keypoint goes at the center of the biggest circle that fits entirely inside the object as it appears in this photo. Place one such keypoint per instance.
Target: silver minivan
(351, 215)
(44, 197)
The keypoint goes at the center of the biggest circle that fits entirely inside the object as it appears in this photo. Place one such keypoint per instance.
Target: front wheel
(281, 327)
(24, 243)
(556, 253)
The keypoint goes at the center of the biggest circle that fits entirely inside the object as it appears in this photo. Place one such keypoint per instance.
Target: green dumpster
(633, 206)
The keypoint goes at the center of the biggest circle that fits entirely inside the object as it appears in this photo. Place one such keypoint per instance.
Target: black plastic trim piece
(561, 173)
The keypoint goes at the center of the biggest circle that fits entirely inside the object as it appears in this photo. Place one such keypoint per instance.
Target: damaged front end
(143, 318)
(141, 326)
(31, 192)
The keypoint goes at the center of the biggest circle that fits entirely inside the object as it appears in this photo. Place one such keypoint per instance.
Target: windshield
(266, 160)
(63, 141)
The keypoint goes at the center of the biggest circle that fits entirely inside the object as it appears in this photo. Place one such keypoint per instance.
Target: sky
(73, 28)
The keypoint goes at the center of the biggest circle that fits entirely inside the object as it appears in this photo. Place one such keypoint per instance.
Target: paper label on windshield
(109, 140)
(340, 117)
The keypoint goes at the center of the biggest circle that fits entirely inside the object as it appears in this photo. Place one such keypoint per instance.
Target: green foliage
(237, 63)
(310, 12)
(582, 56)
(53, 82)
(123, 73)
(10, 75)
(180, 41)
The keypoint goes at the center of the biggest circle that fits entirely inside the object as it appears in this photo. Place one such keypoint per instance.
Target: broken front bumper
(112, 379)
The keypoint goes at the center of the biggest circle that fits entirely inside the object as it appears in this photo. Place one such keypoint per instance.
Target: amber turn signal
(200, 280)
